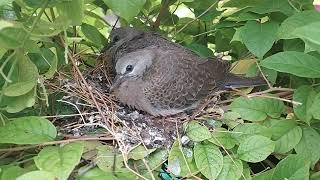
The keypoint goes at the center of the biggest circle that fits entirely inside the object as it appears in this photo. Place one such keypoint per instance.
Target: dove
(163, 78)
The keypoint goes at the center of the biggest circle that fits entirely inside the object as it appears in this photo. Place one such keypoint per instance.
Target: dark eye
(129, 68)
(116, 38)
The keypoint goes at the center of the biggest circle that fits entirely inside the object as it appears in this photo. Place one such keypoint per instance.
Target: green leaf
(258, 37)
(296, 63)
(60, 160)
(98, 174)
(93, 34)
(10, 172)
(19, 103)
(267, 6)
(180, 159)
(292, 167)
(108, 159)
(298, 20)
(24, 76)
(201, 50)
(257, 108)
(222, 137)
(255, 148)
(286, 135)
(11, 37)
(139, 152)
(306, 96)
(72, 11)
(246, 130)
(309, 145)
(209, 159)
(27, 130)
(232, 169)
(197, 132)
(310, 34)
(126, 9)
(37, 175)
(267, 175)
(315, 108)
(19, 88)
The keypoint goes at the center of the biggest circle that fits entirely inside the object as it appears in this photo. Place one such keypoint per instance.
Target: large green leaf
(298, 20)
(37, 175)
(267, 6)
(232, 169)
(107, 159)
(258, 37)
(296, 63)
(209, 159)
(304, 95)
(310, 34)
(257, 108)
(60, 160)
(223, 138)
(18, 103)
(71, 11)
(139, 152)
(127, 9)
(27, 130)
(255, 148)
(246, 130)
(315, 108)
(180, 159)
(93, 34)
(309, 145)
(292, 167)
(11, 37)
(197, 132)
(10, 172)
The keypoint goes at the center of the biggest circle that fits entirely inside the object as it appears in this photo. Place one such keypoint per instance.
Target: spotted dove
(162, 77)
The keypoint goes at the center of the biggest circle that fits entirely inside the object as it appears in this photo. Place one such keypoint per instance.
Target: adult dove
(164, 78)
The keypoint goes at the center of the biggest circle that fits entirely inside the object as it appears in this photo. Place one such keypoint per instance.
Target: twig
(264, 77)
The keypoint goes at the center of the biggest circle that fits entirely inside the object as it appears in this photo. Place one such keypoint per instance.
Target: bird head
(132, 66)
(121, 35)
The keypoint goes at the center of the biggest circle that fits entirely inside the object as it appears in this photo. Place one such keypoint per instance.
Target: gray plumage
(163, 78)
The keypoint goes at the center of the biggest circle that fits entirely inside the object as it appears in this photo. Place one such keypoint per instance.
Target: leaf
(288, 140)
(209, 159)
(27, 130)
(200, 50)
(18, 89)
(295, 21)
(258, 37)
(246, 130)
(72, 11)
(296, 63)
(306, 96)
(59, 160)
(19, 103)
(255, 148)
(24, 76)
(108, 160)
(93, 34)
(98, 174)
(37, 175)
(315, 108)
(232, 169)
(222, 137)
(292, 167)
(126, 9)
(267, 6)
(309, 33)
(178, 163)
(139, 152)
(197, 132)
(257, 108)
(10, 172)
(267, 175)
(309, 146)
(11, 37)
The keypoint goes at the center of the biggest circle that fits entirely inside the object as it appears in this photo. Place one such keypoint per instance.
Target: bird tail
(234, 81)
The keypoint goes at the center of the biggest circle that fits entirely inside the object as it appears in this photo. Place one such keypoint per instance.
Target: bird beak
(116, 82)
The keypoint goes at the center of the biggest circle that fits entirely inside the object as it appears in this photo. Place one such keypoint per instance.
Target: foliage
(278, 127)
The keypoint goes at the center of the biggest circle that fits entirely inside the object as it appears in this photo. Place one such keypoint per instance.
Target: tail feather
(234, 81)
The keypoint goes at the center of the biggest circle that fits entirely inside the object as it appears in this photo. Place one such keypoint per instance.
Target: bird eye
(129, 68)
(116, 38)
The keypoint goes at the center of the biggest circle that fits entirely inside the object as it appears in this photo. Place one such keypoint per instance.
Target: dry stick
(204, 12)
(89, 88)
(56, 142)
(148, 168)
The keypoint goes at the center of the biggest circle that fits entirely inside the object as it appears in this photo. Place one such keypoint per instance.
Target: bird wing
(179, 79)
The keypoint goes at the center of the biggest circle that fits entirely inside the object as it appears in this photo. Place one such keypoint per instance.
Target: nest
(97, 109)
